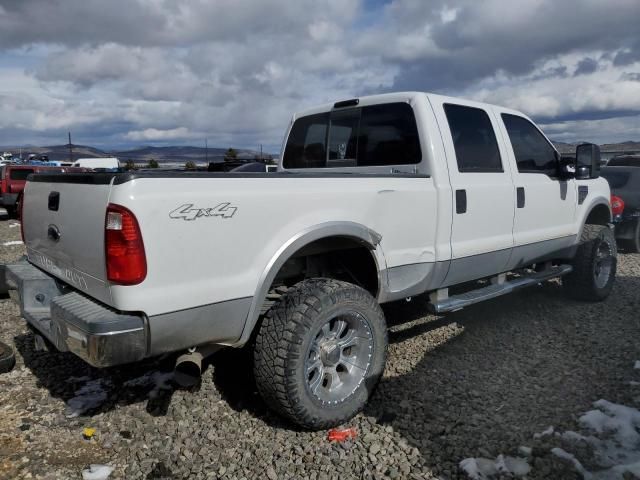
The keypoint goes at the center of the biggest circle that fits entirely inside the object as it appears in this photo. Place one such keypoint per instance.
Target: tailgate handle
(54, 201)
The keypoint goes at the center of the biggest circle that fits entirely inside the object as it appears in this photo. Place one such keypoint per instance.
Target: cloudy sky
(130, 72)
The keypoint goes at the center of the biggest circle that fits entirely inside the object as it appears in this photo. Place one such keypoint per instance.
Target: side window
(534, 154)
(375, 135)
(306, 143)
(474, 139)
(388, 136)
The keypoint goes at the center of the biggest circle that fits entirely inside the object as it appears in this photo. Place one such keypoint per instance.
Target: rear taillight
(123, 246)
(617, 205)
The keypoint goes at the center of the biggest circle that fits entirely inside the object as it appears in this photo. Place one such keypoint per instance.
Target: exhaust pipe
(188, 367)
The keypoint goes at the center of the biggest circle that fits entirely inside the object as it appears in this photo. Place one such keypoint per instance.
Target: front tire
(320, 352)
(594, 265)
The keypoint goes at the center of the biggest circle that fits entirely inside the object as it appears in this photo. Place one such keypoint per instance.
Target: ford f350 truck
(376, 199)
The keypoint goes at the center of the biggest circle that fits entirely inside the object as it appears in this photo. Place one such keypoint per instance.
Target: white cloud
(234, 71)
(153, 134)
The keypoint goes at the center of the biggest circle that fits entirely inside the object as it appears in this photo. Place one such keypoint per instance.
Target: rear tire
(594, 265)
(320, 352)
(7, 358)
(632, 245)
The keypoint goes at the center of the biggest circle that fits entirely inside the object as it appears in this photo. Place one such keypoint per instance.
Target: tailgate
(63, 222)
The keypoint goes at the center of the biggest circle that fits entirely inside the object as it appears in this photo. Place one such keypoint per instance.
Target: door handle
(520, 197)
(461, 201)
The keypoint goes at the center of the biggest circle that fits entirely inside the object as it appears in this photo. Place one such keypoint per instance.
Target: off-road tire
(7, 358)
(632, 245)
(581, 282)
(285, 338)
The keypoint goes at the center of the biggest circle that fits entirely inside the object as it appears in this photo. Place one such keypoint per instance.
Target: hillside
(141, 154)
(179, 154)
(629, 146)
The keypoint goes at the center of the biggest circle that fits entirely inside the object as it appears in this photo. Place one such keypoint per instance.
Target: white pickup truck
(376, 199)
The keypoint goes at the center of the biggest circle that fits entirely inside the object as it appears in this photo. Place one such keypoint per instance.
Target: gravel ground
(476, 383)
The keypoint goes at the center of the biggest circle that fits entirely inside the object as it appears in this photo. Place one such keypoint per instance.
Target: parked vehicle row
(378, 199)
(13, 179)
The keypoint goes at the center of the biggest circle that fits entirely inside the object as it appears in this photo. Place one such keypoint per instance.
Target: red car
(14, 177)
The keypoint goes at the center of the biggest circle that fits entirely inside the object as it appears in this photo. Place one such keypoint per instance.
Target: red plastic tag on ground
(342, 434)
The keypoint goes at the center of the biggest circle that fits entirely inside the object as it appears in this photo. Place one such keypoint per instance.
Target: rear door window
(474, 139)
(534, 154)
(375, 135)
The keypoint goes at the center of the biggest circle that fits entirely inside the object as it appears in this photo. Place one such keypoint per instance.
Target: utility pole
(206, 151)
(261, 152)
(70, 150)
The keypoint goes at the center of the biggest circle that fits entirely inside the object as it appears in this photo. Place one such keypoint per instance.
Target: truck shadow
(521, 363)
(81, 386)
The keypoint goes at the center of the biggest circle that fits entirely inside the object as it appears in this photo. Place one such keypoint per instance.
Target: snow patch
(88, 397)
(560, 453)
(526, 451)
(615, 441)
(159, 380)
(13, 225)
(96, 472)
(548, 431)
(484, 468)
(12, 242)
(637, 365)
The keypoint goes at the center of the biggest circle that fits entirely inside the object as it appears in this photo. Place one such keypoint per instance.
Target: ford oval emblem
(53, 233)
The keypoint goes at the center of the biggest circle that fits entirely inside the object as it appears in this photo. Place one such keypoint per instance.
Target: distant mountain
(171, 154)
(563, 147)
(628, 146)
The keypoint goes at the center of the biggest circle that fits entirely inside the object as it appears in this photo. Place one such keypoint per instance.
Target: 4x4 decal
(188, 212)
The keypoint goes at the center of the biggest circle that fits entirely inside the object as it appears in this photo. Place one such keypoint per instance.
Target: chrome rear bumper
(99, 335)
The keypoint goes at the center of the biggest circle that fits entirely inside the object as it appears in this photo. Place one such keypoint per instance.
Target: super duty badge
(188, 212)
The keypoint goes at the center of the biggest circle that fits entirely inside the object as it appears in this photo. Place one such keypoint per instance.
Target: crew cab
(376, 199)
(13, 179)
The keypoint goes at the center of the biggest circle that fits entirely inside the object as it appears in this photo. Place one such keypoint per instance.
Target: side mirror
(587, 161)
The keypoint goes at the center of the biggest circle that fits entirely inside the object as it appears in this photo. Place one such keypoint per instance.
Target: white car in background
(97, 163)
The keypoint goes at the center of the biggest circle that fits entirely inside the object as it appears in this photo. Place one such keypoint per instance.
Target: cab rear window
(375, 135)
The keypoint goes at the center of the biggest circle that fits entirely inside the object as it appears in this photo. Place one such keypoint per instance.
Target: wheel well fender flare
(599, 211)
(368, 237)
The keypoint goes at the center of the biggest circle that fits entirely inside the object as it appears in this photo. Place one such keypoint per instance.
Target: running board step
(441, 302)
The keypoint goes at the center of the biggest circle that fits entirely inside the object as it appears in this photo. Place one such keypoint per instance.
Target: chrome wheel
(603, 264)
(339, 357)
